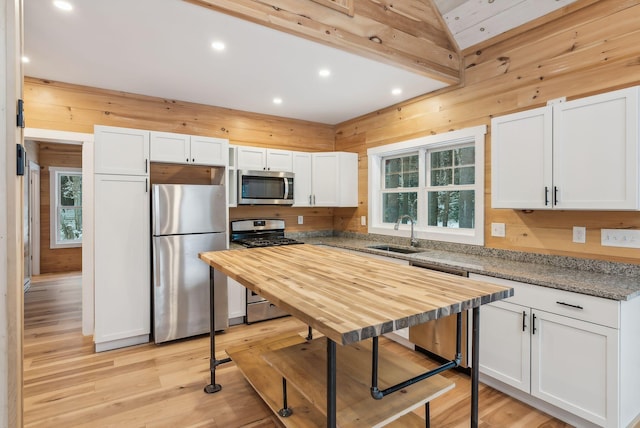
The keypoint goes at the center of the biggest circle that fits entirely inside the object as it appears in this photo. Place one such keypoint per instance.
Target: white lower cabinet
(574, 366)
(569, 350)
(237, 301)
(122, 261)
(505, 345)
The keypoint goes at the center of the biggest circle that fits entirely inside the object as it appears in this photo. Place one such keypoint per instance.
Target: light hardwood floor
(66, 384)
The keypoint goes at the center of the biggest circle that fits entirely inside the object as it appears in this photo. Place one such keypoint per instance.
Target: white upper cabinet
(326, 179)
(261, 159)
(188, 149)
(595, 152)
(121, 151)
(302, 190)
(521, 159)
(581, 154)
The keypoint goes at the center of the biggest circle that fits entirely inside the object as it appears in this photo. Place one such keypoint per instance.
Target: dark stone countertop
(615, 281)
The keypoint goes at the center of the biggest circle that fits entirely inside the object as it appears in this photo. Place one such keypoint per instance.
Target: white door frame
(34, 216)
(86, 140)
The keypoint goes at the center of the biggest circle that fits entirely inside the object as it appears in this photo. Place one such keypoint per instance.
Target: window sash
(66, 223)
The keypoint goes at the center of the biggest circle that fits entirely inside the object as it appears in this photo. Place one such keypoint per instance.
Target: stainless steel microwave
(265, 187)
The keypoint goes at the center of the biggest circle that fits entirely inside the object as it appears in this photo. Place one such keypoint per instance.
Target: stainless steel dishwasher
(437, 338)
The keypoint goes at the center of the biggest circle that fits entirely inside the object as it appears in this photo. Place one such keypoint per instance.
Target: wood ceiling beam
(410, 35)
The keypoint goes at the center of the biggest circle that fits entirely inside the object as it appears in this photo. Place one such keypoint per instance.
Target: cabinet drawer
(574, 305)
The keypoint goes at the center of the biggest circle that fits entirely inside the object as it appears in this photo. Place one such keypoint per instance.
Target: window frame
(469, 136)
(54, 177)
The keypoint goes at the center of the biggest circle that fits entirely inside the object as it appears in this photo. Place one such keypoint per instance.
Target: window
(400, 193)
(66, 207)
(437, 180)
(450, 188)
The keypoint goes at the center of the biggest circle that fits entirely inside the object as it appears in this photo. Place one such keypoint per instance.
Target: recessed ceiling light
(325, 72)
(63, 5)
(25, 59)
(396, 91)
(218, 46)
(277, 100)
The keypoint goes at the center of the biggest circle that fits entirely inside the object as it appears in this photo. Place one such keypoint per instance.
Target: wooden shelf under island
(347, 298)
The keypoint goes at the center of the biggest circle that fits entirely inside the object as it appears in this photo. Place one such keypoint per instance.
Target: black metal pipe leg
(213, 386)
(331, 383)
(427, 415)
(475, 363)
(285, 412)
(309, 334)
(213, 363)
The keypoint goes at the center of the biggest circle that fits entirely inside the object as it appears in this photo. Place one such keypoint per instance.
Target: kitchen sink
(392, 249)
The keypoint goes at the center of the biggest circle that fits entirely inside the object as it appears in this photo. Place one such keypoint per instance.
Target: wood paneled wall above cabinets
(67, 107)
(587, 50)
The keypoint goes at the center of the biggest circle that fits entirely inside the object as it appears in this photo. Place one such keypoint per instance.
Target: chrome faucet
(414, 241)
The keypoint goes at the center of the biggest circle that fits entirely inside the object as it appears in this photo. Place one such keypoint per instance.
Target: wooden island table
(347, 298)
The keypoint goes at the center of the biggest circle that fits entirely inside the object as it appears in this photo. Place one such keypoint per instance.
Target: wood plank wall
(592, 50)
(586, 50)
(53, 260)
(67, 107)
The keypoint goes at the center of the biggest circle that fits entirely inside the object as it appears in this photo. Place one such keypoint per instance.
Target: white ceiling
(163, 48)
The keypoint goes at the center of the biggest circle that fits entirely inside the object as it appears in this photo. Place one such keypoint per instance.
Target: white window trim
(53, 215)
(475, 135)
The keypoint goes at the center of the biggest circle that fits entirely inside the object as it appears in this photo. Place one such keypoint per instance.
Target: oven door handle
(286, 188)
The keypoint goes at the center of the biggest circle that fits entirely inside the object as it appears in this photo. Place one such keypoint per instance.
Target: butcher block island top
(349, 297)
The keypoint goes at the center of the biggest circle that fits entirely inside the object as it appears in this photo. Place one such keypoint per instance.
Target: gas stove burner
(267, 242)
(260, 233)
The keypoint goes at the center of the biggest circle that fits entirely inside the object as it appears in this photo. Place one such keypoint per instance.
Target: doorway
(31, 223)
(86, 141)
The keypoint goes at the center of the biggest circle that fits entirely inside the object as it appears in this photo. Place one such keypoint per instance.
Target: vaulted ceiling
(162, 48)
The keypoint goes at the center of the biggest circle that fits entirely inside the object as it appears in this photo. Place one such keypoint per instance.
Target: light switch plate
(498, 229)
(363, 220)
(300, 219)
(627, 238)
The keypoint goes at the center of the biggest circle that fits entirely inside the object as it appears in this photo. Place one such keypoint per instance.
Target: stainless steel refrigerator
(186, 220)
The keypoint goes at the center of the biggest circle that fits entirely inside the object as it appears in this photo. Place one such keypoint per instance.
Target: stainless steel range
(254, 234)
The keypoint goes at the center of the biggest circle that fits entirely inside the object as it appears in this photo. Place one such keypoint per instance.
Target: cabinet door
(596, 152)
(574, 365)
(505, 343)
(302, 183)
(209, 151)
(325, 179)
(253, 158)
(279, 160)
(121, 151)
(237, 298)
(169, 147)
(521, 160)
(122, 259)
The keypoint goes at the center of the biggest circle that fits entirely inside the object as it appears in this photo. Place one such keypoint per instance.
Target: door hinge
(20, 115)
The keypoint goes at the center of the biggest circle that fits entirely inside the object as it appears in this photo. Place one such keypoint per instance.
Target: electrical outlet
(300, 219)
(498, 229)
(579, 234)
(627, 238)
(363, 220)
